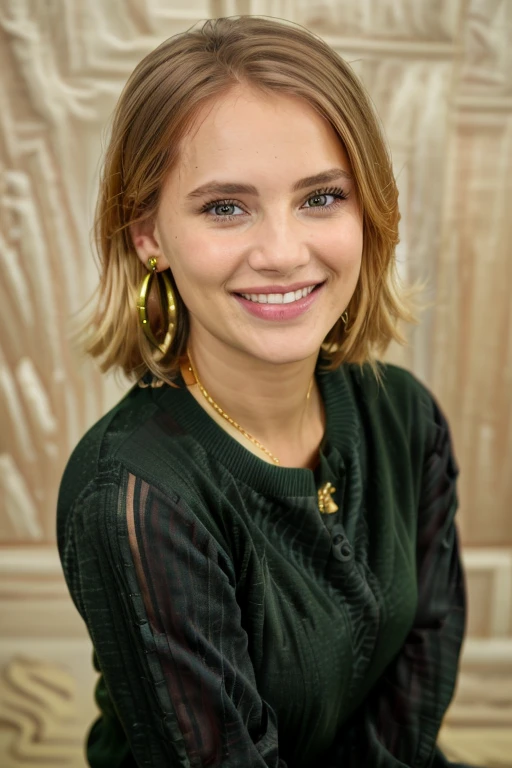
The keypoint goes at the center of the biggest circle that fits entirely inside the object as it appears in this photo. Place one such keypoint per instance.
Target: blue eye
(222, 204)
(338, 194)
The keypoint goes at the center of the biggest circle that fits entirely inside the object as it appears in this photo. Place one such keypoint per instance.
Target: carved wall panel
(440, 74)
(46, 673)
(441, 83)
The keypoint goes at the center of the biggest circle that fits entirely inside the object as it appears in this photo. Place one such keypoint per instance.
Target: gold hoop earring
(171, 306)
(344, 319)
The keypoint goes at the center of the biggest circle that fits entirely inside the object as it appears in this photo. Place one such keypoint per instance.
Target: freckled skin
(275, 238)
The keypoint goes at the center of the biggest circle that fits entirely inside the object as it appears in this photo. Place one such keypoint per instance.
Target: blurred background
(440, 74)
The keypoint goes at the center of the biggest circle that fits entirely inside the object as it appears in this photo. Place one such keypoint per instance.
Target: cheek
(197, 266)
(345, 249)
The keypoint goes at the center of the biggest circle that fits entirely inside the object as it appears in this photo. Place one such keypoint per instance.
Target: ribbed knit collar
(340, 440)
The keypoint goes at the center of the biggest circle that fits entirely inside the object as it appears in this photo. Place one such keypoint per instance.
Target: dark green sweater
(236, 626)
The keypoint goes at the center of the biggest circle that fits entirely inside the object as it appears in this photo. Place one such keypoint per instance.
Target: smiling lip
(278, 288)
(280, 312)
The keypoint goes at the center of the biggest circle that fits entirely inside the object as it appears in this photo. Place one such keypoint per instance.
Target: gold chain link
(326, 503)
(228, 418)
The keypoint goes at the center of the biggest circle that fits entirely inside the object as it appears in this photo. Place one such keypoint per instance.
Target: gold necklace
(228, 418)
(325, 503)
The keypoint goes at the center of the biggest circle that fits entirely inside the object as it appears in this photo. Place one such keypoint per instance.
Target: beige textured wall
(440, 74)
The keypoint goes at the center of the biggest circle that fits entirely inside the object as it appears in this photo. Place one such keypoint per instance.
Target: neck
(269, 401)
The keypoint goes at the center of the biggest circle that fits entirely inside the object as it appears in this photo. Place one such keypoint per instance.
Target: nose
(279, 246)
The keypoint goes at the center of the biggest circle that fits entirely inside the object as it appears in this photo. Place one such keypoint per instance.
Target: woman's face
(265, 230)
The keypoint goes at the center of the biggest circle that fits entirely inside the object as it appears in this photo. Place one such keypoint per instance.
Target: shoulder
(394, 385)
(401, 402)
(139, 441)
(98, 455)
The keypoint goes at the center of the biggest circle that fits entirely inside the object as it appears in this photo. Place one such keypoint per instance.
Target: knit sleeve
(398, 724)
(157, 593)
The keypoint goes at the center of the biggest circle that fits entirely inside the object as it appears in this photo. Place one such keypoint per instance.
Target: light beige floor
(482, 746)
(478, 725)
(44, 723)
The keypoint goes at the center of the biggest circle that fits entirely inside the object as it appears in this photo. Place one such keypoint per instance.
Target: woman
(260, 536)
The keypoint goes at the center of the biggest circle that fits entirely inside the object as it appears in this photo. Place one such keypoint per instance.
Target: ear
(146, 242)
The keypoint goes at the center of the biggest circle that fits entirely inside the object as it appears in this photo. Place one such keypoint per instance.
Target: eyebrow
(234, 188)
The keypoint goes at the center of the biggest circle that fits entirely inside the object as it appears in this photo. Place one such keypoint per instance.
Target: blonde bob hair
(155, 112)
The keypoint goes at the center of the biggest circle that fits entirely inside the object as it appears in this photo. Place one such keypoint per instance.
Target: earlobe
(145, 240)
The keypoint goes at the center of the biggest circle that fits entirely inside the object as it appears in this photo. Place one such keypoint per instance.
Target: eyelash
(334, 191)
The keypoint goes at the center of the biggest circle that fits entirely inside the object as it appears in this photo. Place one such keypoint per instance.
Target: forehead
(245, 131)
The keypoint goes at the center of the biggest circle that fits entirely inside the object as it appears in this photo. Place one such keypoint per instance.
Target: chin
(285, 352)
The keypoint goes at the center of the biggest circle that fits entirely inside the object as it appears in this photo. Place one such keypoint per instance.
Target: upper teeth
(278, 298)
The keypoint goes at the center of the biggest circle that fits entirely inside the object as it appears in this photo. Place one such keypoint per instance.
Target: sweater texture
(235, 625)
